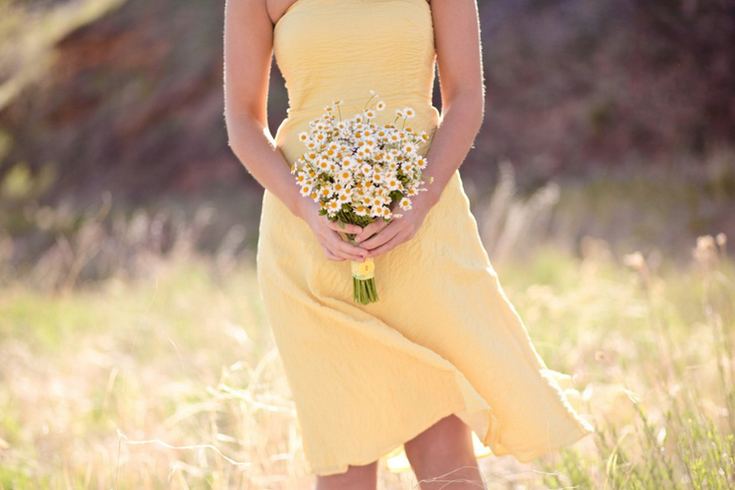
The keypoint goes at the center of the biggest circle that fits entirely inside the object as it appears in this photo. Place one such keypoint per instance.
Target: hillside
(132, 101)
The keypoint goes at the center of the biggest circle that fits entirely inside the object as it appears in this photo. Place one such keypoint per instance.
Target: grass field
(170, 379)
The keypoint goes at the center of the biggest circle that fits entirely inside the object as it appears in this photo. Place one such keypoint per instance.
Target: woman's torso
(331, 50)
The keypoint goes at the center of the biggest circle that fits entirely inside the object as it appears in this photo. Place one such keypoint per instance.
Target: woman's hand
(388, 235)
(329, 234)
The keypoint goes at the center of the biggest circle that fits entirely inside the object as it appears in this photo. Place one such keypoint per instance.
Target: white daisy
(409, 148)
(333, 206)
(344, 176)
(367, 170)
(325, 191)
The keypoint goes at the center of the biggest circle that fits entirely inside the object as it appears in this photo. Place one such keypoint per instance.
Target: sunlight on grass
(174, 377)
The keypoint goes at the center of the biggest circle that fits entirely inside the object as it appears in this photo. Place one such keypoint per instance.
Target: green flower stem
(364, 290)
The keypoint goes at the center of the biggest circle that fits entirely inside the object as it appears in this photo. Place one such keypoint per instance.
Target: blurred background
(627, 106)
(128, 232)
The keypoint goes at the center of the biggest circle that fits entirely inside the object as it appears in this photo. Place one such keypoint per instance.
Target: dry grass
(130, 360)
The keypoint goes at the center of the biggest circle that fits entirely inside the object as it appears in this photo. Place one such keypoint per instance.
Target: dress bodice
(331, 50)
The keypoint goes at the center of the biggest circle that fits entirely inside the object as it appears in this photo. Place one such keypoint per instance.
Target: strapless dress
(443, 338)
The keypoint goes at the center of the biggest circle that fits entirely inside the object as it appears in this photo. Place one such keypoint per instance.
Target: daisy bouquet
(360, 171)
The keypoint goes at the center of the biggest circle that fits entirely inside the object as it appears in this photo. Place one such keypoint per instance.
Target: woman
(443, 352)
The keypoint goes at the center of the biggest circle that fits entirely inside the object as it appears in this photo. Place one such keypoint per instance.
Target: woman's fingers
(348, 228)
(334, 244)
(340, 255)
(346, 249)
(330, 255)
(371, 229)
(350, 256)
(382, 237)
(388, 246)
(343, 248)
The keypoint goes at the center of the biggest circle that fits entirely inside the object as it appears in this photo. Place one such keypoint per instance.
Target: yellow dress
(443, 338)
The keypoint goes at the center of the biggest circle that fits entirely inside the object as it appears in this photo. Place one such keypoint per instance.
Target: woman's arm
(457, 38)
(248, 50)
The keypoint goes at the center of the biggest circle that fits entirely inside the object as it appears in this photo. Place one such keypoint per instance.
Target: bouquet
(359, 171)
